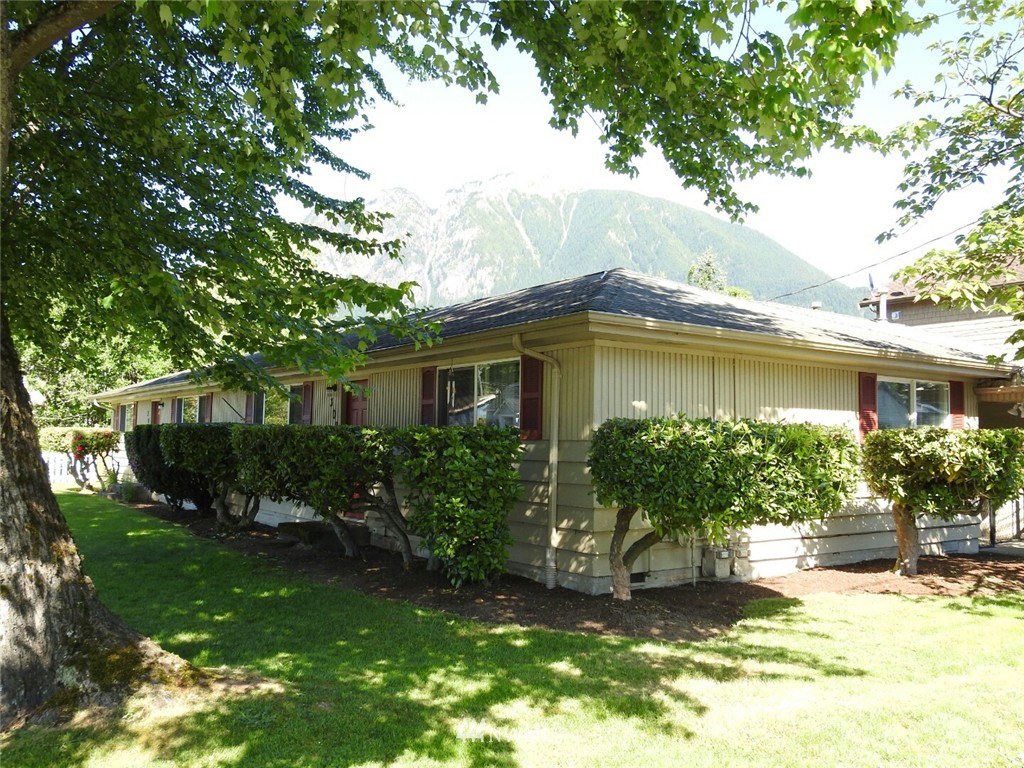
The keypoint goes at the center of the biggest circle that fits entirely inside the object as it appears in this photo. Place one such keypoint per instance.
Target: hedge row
(151, 468)
(463, 480)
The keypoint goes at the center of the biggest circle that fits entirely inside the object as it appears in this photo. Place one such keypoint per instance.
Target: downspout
(550, 552)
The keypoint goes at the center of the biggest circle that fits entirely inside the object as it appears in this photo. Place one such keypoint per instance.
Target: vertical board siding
(638, 383)
(228, 407)
(769, 391)
(394, 398)
(641, 383)
(577, 393)
(327, 406)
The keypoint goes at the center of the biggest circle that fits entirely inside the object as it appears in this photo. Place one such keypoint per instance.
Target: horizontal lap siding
(863, 530)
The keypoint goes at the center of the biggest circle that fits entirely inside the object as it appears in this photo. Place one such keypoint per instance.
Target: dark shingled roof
(622, 293)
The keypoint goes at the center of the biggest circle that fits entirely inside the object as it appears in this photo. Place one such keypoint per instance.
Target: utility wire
(877, 263)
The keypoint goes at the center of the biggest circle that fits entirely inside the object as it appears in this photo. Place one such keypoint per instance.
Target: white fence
(1008, 523)
(58, 467)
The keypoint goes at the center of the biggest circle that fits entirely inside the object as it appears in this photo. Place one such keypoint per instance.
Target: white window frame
(442, 396)
(912, 415)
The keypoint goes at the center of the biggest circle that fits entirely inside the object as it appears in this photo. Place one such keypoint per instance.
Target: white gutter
(551, 550)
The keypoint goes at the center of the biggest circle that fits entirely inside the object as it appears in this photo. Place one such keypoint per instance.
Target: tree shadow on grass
(366, 680)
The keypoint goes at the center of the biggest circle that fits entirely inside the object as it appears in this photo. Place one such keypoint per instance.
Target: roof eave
(764, 345)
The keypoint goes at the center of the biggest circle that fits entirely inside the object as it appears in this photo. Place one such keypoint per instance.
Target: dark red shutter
(868, 402)
(135, 414)
(173, 418)
(250, 402)
(956, 404)
(428, 397)
(115, 418)
(307, 402)
(531, 397)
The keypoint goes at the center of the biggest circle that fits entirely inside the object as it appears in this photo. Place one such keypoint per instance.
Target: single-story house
(559, 359)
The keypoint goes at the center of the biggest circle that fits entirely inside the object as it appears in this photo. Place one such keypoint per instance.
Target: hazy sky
(440, 139)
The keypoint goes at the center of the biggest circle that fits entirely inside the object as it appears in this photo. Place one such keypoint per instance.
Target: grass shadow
(367, 680)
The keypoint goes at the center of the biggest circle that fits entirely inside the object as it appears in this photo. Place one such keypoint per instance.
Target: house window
(912, 403)
(300, 407)
(255, 407)
(479, 394)
(122, 418)
(177, 410)
(204, 409)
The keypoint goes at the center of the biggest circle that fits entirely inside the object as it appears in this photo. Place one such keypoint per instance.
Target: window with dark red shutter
(531, 397)
(428, 396)
(307, 402)
(868, 402)
(957, 400)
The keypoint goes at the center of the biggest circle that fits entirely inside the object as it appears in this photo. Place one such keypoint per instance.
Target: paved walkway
(1011, 548)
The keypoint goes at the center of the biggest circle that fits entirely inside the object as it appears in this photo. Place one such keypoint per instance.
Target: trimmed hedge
(329, 468)
(705, 478)
(206, 450)
(942, 473)
(945, 472)
(87, 447)
(152, 469)
(463, 482)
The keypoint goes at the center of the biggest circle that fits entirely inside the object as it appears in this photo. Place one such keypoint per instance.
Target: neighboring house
(978, 330)
(559, 359)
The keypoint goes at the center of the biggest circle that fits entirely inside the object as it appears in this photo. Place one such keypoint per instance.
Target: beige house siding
(863, 530)
(637, 382)
(228, 407)
(604, 377)
(394, 398)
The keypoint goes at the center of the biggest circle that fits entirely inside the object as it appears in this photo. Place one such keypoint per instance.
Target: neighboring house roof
(903, 293)
(620, 293)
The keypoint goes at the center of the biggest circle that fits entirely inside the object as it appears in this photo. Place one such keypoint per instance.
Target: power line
(877, 263)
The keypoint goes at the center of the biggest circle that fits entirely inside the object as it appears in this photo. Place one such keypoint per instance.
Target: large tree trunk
(50, 616)
(907, 543)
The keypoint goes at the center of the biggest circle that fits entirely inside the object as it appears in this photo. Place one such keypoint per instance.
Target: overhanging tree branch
(57, 22)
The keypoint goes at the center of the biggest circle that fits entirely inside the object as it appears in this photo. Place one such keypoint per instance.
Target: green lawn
(867, 680)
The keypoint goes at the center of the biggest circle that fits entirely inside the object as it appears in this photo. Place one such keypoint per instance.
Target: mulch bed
(671, 613)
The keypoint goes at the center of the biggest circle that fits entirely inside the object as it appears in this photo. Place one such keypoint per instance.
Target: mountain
(488, 238)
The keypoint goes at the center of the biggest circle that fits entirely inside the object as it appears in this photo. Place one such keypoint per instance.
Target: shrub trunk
(907, 543)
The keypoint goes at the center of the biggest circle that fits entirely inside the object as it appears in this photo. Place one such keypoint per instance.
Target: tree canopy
(972, 131)
(148, 146)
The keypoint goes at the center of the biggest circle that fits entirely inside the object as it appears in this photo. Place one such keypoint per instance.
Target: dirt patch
(673, 613)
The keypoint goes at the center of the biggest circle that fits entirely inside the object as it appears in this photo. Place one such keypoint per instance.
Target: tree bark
(344, 535)
(622, 560)
(220, 493)
(389, 508)
(907, 543)
(48, 608)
